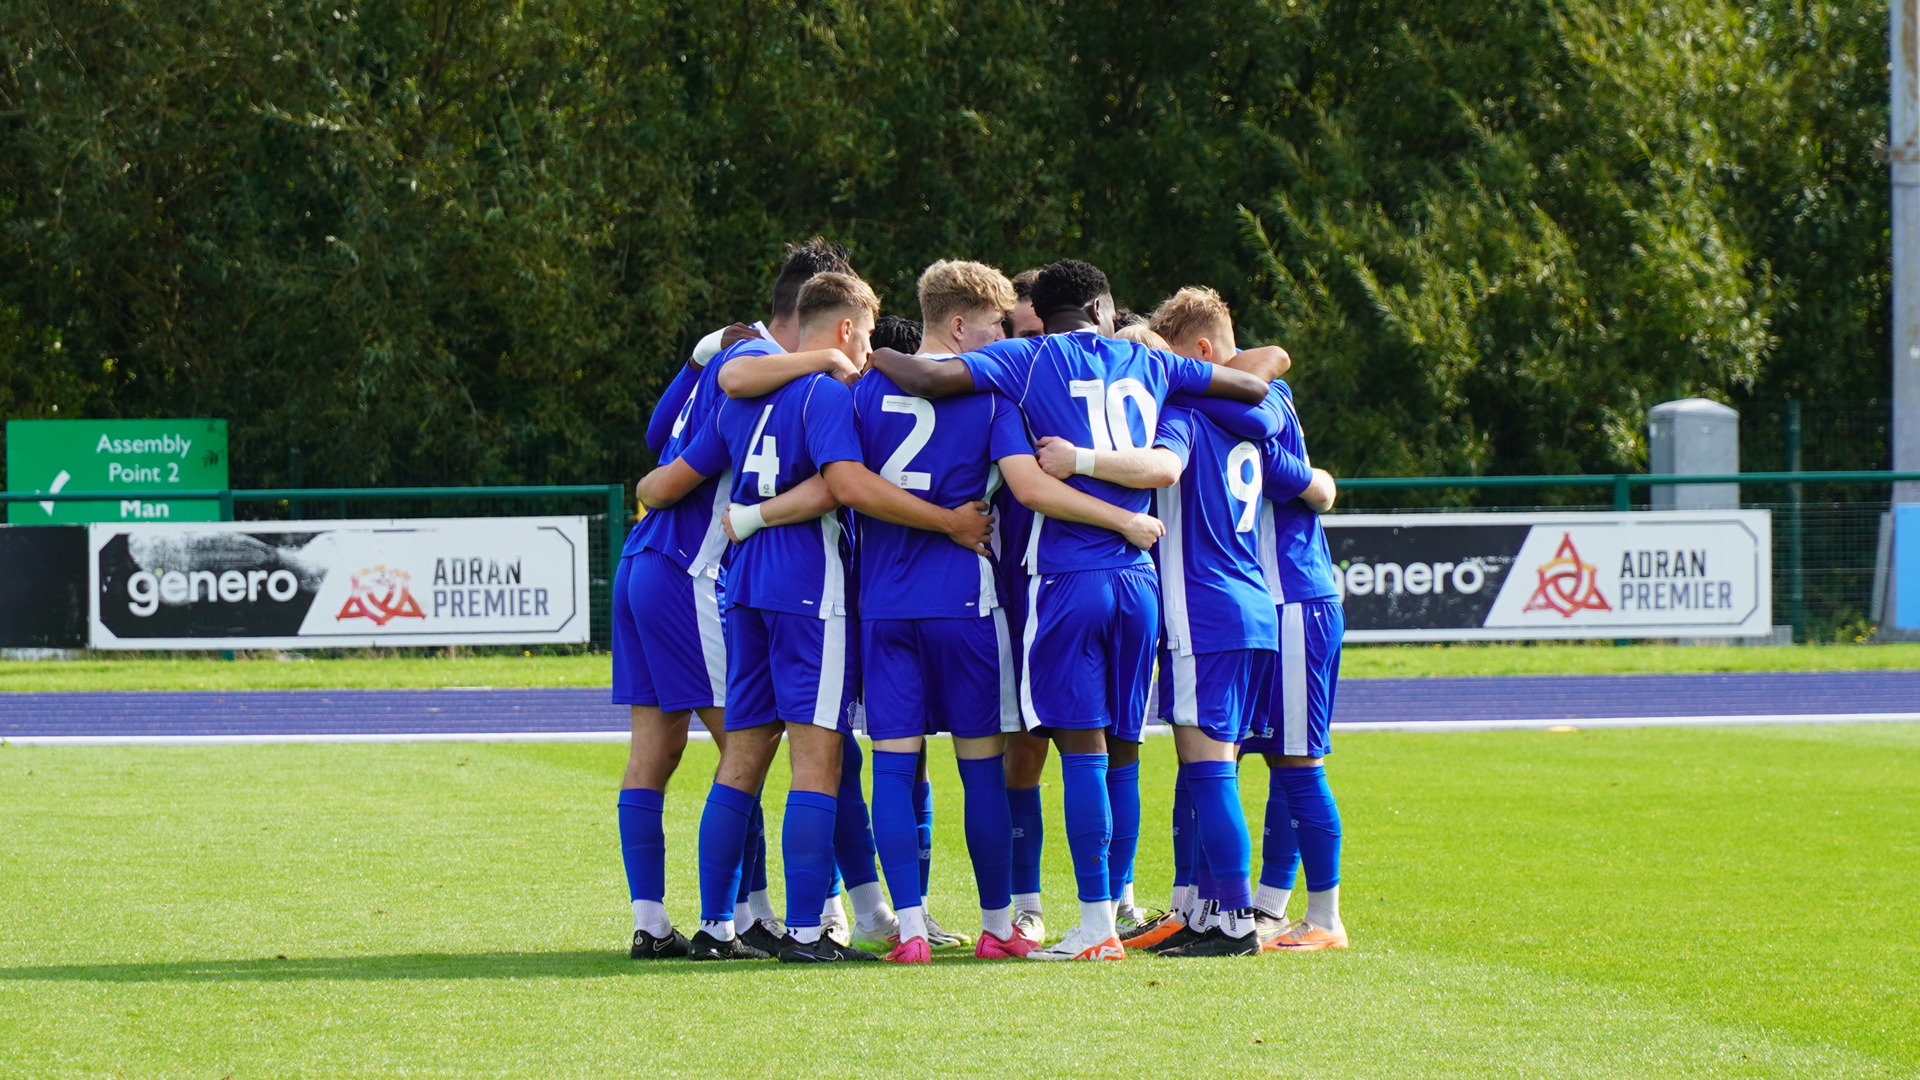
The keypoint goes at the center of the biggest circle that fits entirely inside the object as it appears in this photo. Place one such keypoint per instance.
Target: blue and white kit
(936, 654)
(789, 656)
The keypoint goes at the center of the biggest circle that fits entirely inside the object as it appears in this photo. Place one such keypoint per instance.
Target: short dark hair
(897, 333)
(803, 262)
(1023, 285)
(1125, 317)
(1067, 285)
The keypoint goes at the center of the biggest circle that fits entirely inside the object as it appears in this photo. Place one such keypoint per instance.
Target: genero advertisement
(339, 584)
(1501, 576)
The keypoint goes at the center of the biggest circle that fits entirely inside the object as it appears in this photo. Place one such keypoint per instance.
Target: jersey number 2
(895, 470)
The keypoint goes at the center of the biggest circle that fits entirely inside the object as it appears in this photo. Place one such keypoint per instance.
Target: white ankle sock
(913, 922)
(719, 930)
(1235, 923)
(998, 922)
(1027, 901)
(650, 916)
(1126, 896)
(1323, 908)
(832, 910)
(1271, 900)
(1178, 903)
(806, 935)
(1097, 917)
(742, 913)
(869, 903)
(760, 906)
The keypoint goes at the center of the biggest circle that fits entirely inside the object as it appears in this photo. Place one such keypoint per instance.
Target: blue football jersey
(771, 444)
(1098, 392)
(1214, 596)
(1293, 546)
(689, 532)
(943, 452)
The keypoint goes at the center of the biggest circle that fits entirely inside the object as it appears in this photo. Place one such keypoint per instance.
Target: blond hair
(952, 287)
(1191, 314)
(832, 293)
(1139, 333)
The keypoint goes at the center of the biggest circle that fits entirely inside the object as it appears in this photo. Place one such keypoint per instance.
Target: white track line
(1154, 729)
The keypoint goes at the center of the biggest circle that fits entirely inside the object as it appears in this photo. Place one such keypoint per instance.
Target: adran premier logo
(1567, 585)
(380, 594)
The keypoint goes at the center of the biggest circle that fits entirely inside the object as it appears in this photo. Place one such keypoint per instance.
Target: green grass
(1631, 903)
(1360, 662)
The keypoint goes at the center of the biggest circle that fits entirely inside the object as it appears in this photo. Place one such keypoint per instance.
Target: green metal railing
(1622, 484)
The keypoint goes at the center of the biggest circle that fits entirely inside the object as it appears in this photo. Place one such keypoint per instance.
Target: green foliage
(468, 240)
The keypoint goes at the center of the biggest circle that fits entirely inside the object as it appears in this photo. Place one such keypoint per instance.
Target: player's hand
(1268, 362)
(972, 527)
(842, 367)
(1142, 530)
(1321, 493)
(737, 333)
(1057, 456)
(726, 523)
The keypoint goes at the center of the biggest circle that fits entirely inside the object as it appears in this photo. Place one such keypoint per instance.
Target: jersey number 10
(1107, 411)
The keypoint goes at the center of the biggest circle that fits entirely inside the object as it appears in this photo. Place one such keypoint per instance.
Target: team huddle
(1000, 524)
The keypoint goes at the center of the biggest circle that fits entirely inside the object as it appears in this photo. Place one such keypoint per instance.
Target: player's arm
(859, 487)
(921, 377)
(668, 484)
(1321, 493)
(1045, 495)
(1152, 467)
(804, 501)
(1266, 363)
(1256, 423)
(757, 376)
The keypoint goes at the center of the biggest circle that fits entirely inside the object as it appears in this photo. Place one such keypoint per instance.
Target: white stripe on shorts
(833, 589)
(1026, 647)
(833, 673)
(713, 546)
(713, 638)
(1186, 690)
(1293, 680)
(1009, 696)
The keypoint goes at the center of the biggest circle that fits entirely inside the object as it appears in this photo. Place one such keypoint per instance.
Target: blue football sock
(753, 856)
(893, 827)
(723, 837)
(1223, 829)
(989, 829)
(1123, 795)
(853, 850)
(1083, 786)
(1316, 824)
(1279, 851)
(643, 843)
(806, 847)
(1184, 833)
(1029, 834)
(923, 818)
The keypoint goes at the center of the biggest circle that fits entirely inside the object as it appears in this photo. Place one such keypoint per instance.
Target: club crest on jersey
(380, 594)
(1567, 585)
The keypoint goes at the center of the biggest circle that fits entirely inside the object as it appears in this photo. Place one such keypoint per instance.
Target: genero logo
(1568, 584)
(380, 594)
(146, 589)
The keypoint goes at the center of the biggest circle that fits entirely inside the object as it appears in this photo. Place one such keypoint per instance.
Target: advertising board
(140, 460)
(1503, 576)
(339, 584)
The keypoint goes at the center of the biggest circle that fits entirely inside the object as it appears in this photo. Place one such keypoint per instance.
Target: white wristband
(746, 520)
(1082, 461)
(707, 349)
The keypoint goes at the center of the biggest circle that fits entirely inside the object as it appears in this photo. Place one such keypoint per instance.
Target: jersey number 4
(763, 457)
(895, 470)
(1107, 411)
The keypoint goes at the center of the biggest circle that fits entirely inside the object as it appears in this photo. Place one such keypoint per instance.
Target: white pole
(1904, 154)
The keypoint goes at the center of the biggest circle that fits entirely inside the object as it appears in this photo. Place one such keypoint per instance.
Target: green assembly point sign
(138, 460)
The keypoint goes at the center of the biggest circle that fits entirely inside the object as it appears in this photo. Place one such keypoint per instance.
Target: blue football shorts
(1306, 673)
(1221, 693)
(797, 668)
(919, 676)
(1089, 649)
(676, 657)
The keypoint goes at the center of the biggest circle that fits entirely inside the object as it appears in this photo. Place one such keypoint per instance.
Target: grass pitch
(189, 672)
(1634, 903)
